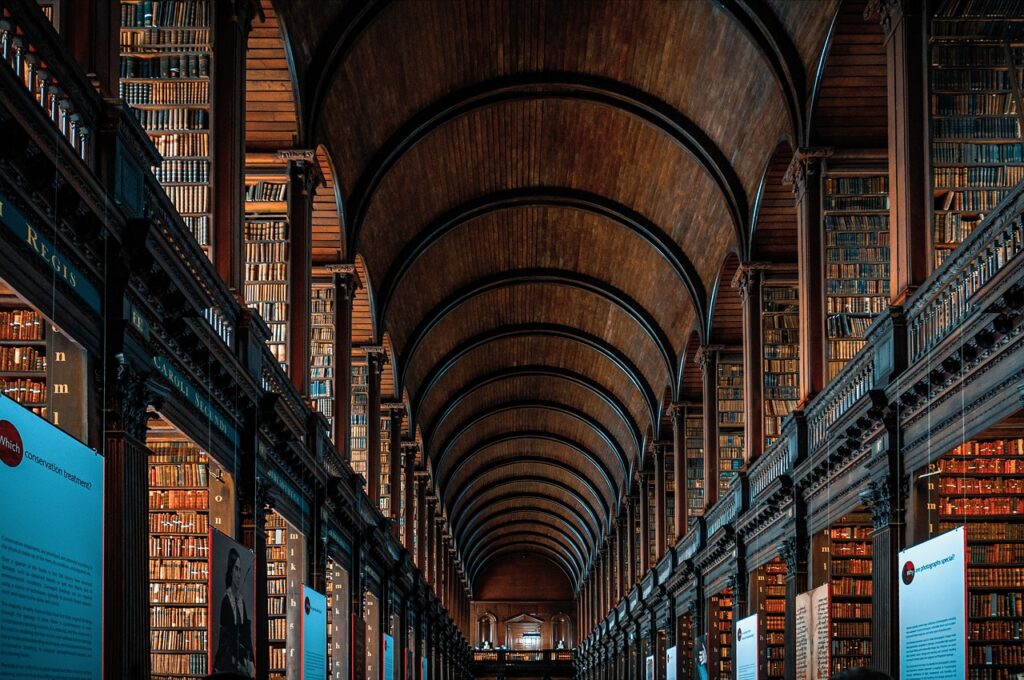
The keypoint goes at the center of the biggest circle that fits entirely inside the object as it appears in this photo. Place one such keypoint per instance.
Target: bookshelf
(780, 321)
(844, 560)
(730, 420)
(976, 150)
(266, 234)
(670, 497)
(277, 592)
(694, 443)
(321, 350)
(384, 502)
(856, 217)
(684, 646)
(165, 77)
(721, 634)
(24, 357)
(360, 399)
(652, 515)
(179, 523)
(981, 486)
(771, 605)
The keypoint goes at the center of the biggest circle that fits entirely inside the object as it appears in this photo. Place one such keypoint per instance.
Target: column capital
(888, 13)
(804, 167)
(705, 353)
(748, 274)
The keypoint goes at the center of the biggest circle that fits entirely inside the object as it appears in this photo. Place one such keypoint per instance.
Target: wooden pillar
(375, 360)
(428, 540)
(346, 282)
(435, 568)
(409, 494)
(395, 412)
(659, 501)
(608, 584)
(804, 174)
(232, 22)
(645, 523)
(302, 178)
(421, 522)
(631, 540)
(707, 357)
(679, 470)
(91, 29)
(905, 25)
(794, 552)
(621, 584)
(748, 280)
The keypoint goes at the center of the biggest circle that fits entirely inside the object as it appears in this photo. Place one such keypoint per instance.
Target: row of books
(178, 593)
(182, 144)
(177, 474)
(171, 93)
(851, 610)
(862, 304)
(173, 119)
(173, 522)
(189, 198)
(978, 176)
(996, 604)
(170, 569)
(954, 227)
(854, 203)
(999, 553)
(856, 286)
(264, 251)
(988, 104)
(271, 311)
(178, 546)
(861, 270)
(974, 485)
(21, 324)
(996, 630)
(22, 359)
(166, 66)
(856, 567)
(860, 254)
(24, 390)
(859, 185)
(268, 297)
(164, 38)
(850, 239)
(847, 325)
(265, 230)
(984, 466)
(183, 170)
(266, 191)
(263, 271)
(856, 222)
(971, 79)
(982, 127)
(782, 366)
(945, 55)
(851, 586)
(957, 153)
(145, 13)
(177, 617)
(971, 200)
(981, 506)
(783, 344)
(178, 664)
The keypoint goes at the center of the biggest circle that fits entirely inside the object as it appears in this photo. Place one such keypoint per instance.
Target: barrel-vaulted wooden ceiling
(542, 194)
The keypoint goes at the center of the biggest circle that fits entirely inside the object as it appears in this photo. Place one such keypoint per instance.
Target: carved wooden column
(621, 582)
(645, 523)
(707, 357)
(608, 585)
(375, 360)
(232, 21)
(435, 566)
(346, 282)
(302, 178)
(409, 494)
(886, 500)
(125, 545)
(395, 413)
(748, 280)
(794, 551)
(804, 174)
(421, 521)
(428, 540)
(677, 412)
(660, 501)
(905, 24)
(631, 548)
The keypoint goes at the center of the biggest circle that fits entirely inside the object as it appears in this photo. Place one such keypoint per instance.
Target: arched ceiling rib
(544, 193)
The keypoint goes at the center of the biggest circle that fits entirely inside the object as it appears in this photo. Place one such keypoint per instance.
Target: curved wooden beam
(537, 404)
(654, 112)
(760, 23)
(567, 531)
(536, 480)
(541, 435)
(536, 548)
(515, 537)
(547, 276)
(609, 351)
(586, 548)
(537, 370)
(465, 523)
(462, 489)
(575, 199)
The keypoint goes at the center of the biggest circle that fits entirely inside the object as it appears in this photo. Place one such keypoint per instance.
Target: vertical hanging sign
(314, 634)
(933, 608)
(746, 649)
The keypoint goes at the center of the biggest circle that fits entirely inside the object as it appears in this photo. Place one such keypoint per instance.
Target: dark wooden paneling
(503, 579)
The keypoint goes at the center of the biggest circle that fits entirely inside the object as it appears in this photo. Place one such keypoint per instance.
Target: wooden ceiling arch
(534, 519)
(552, 556)
(486, 116)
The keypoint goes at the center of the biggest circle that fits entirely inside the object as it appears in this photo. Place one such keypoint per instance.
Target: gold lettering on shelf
(56, 417)
(61, 388)
(60, 357)
(59, 265)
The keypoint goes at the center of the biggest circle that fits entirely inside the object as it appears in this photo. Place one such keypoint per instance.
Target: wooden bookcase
(321, 350)
(730, 420)
(842, 557)
(684, 646)
(976, 144)
(720, 651)
(855, 202)
(780, 353)
(770, 594)
(670, 497)
(694, 443)
(384, 502)
(277, 593)
(266, 235)
(980, 485)
(24, 356)
(165, 77)
(359, 435)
